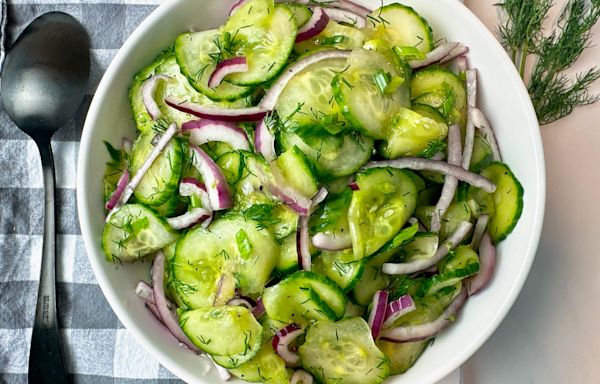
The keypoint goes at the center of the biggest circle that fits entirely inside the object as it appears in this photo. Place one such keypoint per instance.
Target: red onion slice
(259, 309)
(216, 184)
(169, 318)
(337, 4)
(461, 64)
(482, 123)
(290, 196)
(227, 67)
(145, 291)
(268, 102)
(154, 309)
(264, 140)
(135, 180)
(353, 186)
(237, 5)
(189, 219)
(240, 302)
(346, 16)
(398, 308)
(318, 199)
(317, 23)
(301, 376)
(205, 130)
(457, 51)
(377, 315)
(479, 230)
(428, 330)
(471, 77)
(450, 182)
(148, 90)
(487, 263)
(217, 113)
(281, 344)
(116, 195)
(332, 241)
(422, 264)
(190, 186)
(302, 243)
(126, 145)
(420, 164)
(434, 56)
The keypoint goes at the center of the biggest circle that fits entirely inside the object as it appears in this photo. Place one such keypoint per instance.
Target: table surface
(550, 334)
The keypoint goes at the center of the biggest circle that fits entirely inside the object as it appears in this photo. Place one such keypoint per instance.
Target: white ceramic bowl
(501, 95)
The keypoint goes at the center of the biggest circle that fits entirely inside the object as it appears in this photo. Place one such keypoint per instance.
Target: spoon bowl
(44, 79)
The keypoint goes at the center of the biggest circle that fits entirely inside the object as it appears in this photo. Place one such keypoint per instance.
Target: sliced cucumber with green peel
(386, 198)
(402, 356)
(335, 35)
(195, 52)
(341, 267)
(457, 212)
(295, 169)
(402, 26)
(302, 298)
(134, 231)
(265, 366)
(411, 133)
(242, 341)
(343, 352)
(332, 155)
(372, 279)
(441, 89)
(161, 180)
(245, 34)
(460, 264)
(301, 13)
(428, 111)
(332, 214)
(507, 201)
(422, 246)
(482, 153)
(370, 91)
(288, 257)
(306, 102)
(175, 85)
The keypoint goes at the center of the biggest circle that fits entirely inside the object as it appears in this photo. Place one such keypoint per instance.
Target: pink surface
(551, 334)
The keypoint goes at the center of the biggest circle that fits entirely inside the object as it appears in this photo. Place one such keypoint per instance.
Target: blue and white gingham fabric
(98, 349)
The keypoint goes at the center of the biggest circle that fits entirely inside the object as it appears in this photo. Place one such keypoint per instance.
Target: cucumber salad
(316, 188)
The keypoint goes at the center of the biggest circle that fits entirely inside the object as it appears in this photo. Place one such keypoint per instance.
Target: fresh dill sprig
(433, 147)
(553, 93)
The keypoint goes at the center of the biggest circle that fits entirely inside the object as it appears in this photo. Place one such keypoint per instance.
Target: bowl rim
(121, 311)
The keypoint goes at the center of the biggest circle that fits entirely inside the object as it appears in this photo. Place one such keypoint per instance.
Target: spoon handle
(46, 364)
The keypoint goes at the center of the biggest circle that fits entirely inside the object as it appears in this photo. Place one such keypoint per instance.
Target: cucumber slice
(230, 349)
(306, 102)
(441, 89)
(245, 34)
(334, 35)
(422, 246)
(343, 352)
(266, 366)
(194, 52)
(295, 169)
(402, 356)
(460, 264)
(386, 199)
(341, 267)
(134, 231)
(161, 181)
(370, 91)
(402, 26)
(301, 13)
(505, 205)
(411, 133)
(482, 153)
(332, 214)
(457, 212)
(428, 111)
(288, 258)
(372, 280)
(177, 86)
(304, 297)
(236, 252)
(332, 155)
(114, 169)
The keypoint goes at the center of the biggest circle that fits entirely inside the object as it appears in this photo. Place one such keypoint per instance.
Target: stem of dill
(523, 60)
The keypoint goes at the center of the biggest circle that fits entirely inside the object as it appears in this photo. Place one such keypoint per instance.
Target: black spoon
(44, 79)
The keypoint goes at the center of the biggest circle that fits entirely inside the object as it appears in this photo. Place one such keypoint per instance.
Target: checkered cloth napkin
(97, 348)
